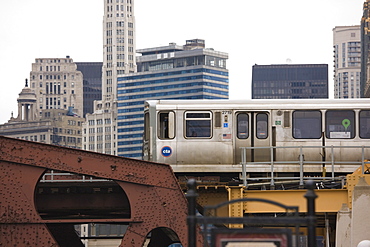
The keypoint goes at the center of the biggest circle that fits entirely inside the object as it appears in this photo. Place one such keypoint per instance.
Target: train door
(165, 140)
(253, 130)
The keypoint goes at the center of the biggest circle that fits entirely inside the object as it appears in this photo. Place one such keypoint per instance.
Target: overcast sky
(251, 32)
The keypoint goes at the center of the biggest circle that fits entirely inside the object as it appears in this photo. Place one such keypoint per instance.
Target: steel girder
(155, 197)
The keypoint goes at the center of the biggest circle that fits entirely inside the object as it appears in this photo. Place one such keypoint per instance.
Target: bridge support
(155, 198)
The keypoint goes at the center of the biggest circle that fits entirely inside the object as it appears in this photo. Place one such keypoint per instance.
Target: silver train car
(218, 136)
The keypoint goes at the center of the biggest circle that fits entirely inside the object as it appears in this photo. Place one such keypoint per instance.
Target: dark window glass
(146, 126)
(262, 126)
(163, 125)
(166, 125)
(365, 124)
(340, 124)
(198, 124)
(307, 124)
(242, 131)
(198, 115)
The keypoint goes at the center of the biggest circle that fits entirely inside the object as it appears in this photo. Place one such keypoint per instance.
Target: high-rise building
(92, 75)
(118, 59)
(118, 44)
(169, 72)
(290, 81)
(57, 84)
(365, 51)
(347, 61)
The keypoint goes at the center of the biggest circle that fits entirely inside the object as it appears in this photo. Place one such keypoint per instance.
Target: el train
(218, 136)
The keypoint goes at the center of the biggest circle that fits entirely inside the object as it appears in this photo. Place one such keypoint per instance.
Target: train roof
(262, 104)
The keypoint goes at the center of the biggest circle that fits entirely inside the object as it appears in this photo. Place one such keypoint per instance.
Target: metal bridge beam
(155, 197)
(329, 200)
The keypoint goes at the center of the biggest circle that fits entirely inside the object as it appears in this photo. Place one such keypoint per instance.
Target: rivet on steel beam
(113, 167)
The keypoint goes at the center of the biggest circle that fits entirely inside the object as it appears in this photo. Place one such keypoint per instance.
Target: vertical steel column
(332, 162)
(362, 160)
(301, 160)
(244, 168)
(191, 195)
(311, 215)
(272, 182)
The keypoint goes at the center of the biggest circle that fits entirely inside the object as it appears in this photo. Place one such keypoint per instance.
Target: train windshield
(146, 126)
(166, 125)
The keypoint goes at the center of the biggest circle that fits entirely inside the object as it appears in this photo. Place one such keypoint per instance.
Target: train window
(262, 126)
(365, 124)
(243, 120)
(198, 124)
(146, 127)
(340, 124)
(307, 124)
(166, 125)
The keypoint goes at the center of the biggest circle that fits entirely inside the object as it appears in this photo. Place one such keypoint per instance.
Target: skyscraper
(118, 59)
(188, 71)
(365, 51)
(118, 44)
(290, 81)
(92, 76)
(347, 61)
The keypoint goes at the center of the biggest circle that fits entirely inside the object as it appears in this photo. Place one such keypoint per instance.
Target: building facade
(290, 81)
(119, 49)
(54, 126)
(92, 75)
(347, 61)
(58, 84)
(119, 46)
(365, 51)
(169, 72)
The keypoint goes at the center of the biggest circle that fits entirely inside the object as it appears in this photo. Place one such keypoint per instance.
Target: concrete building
(290, 81)
(190, 71)
(347, 61)
(119, 49)
(365, 51)
(54, 126)
(58, 84)
(92, 74)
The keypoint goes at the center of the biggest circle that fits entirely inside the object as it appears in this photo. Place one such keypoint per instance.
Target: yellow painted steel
(328, 200)
(236, 209)
(352, 180)
(212, 195)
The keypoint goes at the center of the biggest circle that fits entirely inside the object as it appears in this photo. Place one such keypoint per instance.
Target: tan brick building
(52, 126)
(58, 84)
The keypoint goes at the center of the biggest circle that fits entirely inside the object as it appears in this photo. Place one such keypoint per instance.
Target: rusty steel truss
(143, 195)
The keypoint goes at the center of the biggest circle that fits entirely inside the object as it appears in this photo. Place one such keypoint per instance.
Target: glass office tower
(170, 72)
(290, 81)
